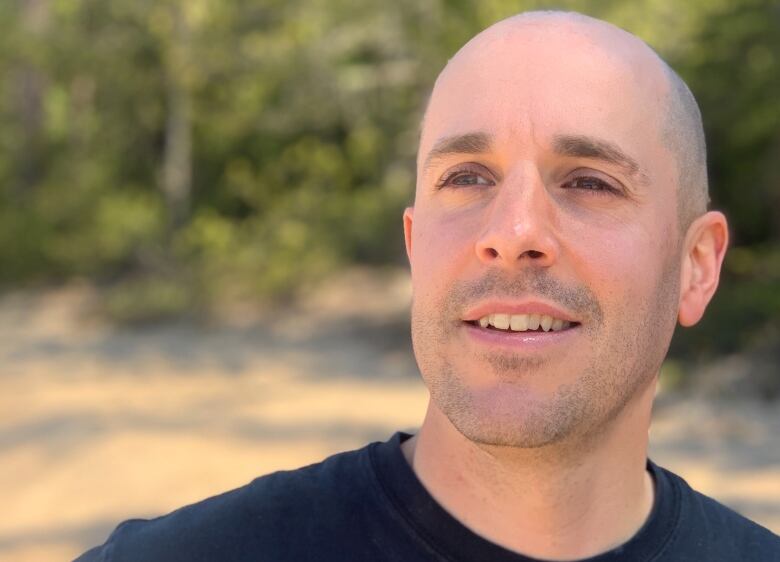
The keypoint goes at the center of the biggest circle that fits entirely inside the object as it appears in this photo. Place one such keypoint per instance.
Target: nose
(520, 225)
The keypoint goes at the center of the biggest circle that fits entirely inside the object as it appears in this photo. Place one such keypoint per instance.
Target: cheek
(442, 245)
(621, 265)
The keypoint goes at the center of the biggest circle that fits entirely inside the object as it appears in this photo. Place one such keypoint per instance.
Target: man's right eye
(465, 177)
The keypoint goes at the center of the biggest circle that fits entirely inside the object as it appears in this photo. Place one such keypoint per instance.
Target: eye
(466, 176)
(592, 183)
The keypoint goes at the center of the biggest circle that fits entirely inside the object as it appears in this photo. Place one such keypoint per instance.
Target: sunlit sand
(98, 425)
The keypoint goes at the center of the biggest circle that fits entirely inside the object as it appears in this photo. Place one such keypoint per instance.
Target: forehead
(525, 85)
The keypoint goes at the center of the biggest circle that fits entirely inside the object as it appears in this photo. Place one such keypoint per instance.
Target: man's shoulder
(729, 531)
(726, 535)
(237, 523)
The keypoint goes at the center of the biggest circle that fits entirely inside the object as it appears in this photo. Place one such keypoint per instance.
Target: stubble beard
(506, 412)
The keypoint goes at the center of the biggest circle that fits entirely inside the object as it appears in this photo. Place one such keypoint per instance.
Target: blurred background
(202, 274)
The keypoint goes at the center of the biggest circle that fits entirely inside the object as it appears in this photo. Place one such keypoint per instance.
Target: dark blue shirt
(369, 505)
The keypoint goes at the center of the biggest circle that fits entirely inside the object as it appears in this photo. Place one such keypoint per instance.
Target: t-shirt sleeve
(104, 552)
(97, 554)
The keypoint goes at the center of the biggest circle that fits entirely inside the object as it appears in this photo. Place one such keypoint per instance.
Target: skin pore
(547, 178)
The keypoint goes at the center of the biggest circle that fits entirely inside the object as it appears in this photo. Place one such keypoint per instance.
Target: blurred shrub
(146, 300)
(182, 152)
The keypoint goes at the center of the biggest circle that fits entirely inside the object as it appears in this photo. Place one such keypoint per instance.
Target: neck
(561, 502)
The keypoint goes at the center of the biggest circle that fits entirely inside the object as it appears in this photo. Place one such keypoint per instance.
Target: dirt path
(98, 425)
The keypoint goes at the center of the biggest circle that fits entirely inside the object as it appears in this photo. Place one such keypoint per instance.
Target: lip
(518, 307)
(519, 341)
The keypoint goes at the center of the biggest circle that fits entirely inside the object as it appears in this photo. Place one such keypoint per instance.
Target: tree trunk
(177, 163)
(29, 91)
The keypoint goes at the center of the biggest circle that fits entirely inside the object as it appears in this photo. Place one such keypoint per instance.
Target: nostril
(492, 252)
(534, 254)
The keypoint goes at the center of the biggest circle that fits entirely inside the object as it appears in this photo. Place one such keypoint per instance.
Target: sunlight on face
(543, 186)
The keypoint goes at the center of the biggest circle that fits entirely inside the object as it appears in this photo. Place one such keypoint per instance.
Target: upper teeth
(523, 322)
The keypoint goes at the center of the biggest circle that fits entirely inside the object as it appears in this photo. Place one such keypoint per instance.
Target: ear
(408, 218)
(705, 247)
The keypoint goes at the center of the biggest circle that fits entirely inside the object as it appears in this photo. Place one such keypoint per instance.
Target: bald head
(664, 96)
(683, 133)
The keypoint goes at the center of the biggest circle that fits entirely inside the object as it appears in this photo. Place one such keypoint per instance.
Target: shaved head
(683, 133)
(680, 123)
(561, 161)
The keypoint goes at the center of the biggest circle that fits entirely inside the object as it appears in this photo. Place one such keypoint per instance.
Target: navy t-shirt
(369, 505)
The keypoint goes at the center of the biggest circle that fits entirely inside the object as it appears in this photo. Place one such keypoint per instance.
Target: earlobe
(705, 247)
(408, 219)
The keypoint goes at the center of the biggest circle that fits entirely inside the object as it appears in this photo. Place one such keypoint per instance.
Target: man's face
(543, 190)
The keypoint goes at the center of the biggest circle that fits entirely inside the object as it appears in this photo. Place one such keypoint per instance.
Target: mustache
(533, 283)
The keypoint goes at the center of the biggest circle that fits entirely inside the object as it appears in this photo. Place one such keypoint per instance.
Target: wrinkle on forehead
(549, 28)
(497, 54)
(545, 55)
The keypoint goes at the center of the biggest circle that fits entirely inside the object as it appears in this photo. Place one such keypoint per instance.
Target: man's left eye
(590, 183)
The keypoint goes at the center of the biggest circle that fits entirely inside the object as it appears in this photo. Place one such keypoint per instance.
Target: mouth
(508, 323)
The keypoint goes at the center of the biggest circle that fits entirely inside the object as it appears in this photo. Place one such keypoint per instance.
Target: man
(559, 232)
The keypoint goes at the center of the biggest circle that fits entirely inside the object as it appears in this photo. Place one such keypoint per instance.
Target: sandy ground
(98, 424)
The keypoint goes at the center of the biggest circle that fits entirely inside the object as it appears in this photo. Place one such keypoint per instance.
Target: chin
(508, 417)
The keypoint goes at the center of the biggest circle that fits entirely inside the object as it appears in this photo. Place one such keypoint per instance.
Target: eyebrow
(581, 146)
(576, 146)
(467, 143)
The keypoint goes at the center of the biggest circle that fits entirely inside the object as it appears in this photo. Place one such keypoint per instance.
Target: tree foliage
(184, 150)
